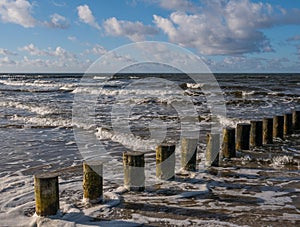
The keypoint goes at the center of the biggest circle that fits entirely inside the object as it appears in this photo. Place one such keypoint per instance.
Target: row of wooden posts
(246, 135)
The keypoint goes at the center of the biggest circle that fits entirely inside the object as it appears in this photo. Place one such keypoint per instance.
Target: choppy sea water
(259, 187)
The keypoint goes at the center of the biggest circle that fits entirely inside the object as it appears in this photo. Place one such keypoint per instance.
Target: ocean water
(40, 131)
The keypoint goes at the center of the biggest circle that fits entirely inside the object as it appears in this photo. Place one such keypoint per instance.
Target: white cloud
(226, 27)
(18, 12)
(5, 61)
(58, 21)
(72, 38)
(33, 50)
(60, 4)
(6, 52)
(86, 16)
(62, 53)
(253, 64)
(135, 31)
(58, 52)
(180, 5)
(97, 50)
(50, 65)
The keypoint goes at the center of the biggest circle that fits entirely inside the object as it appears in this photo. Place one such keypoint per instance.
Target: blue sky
(229, 35)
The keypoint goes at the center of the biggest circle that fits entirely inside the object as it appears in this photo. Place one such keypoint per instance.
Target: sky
(228, 35)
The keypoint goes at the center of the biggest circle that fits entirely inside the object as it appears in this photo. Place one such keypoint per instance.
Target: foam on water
(36, 83)
(42, 121)
(41, 110)
(194, 86)
(262, 189)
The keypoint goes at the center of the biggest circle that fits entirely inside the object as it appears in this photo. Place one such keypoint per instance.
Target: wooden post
(212, 150)
(287, 124)
(243, 136)
(93, 181)
(267, 130)
(134, 171)
(256, 133)
(296, 120)
(189, 153)
(278, 127)
(165, 162)
(46, 194)
(228, 145)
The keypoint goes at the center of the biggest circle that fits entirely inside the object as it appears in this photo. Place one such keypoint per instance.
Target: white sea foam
(282, 160)
(233, 192)
(142, 219)
(247, 93)
(231, 122)
(194, 86)
(41, 110)
(130, 141)
(42, 121)
(17, 197)
(39, 84)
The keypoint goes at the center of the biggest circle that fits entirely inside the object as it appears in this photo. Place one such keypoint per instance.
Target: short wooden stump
(46, 194)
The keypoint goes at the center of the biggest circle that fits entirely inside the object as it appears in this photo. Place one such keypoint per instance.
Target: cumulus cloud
(97, 50)
(5, 61)
(58, 21)
(57, 52)
(49, 65)
(17, 12)
(63, 53)
(50, 59)
(86, 16)
(33, 50)
(226, 26)
(6, 52)
(135, 31)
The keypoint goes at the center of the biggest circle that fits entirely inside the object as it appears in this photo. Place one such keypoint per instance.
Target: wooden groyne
(243, 137)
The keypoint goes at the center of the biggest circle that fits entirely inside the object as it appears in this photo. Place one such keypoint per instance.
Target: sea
(53, 122)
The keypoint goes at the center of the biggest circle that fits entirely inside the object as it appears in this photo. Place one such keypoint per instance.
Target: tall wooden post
(189, 154)
(267, 130)
(165, 162)
(228, 145)
(92, 181)
(256, 133)
(278, 127)
(296, 119)
(212, 150)
(46, 194)
(134, 171)
(287, 124)
(243, 136)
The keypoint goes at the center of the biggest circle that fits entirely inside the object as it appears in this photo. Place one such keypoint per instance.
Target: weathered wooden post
(134, 171)
(165, 162)
(243, 136)
(189, 153)
(287, 124)
(296, 120)
(46, 194)
(212, 150)
(256, 133)
(278, 127)
(92, 181)
(267, 130)
(228, 145)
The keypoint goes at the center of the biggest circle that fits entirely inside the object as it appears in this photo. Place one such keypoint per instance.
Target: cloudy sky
(230, 35)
